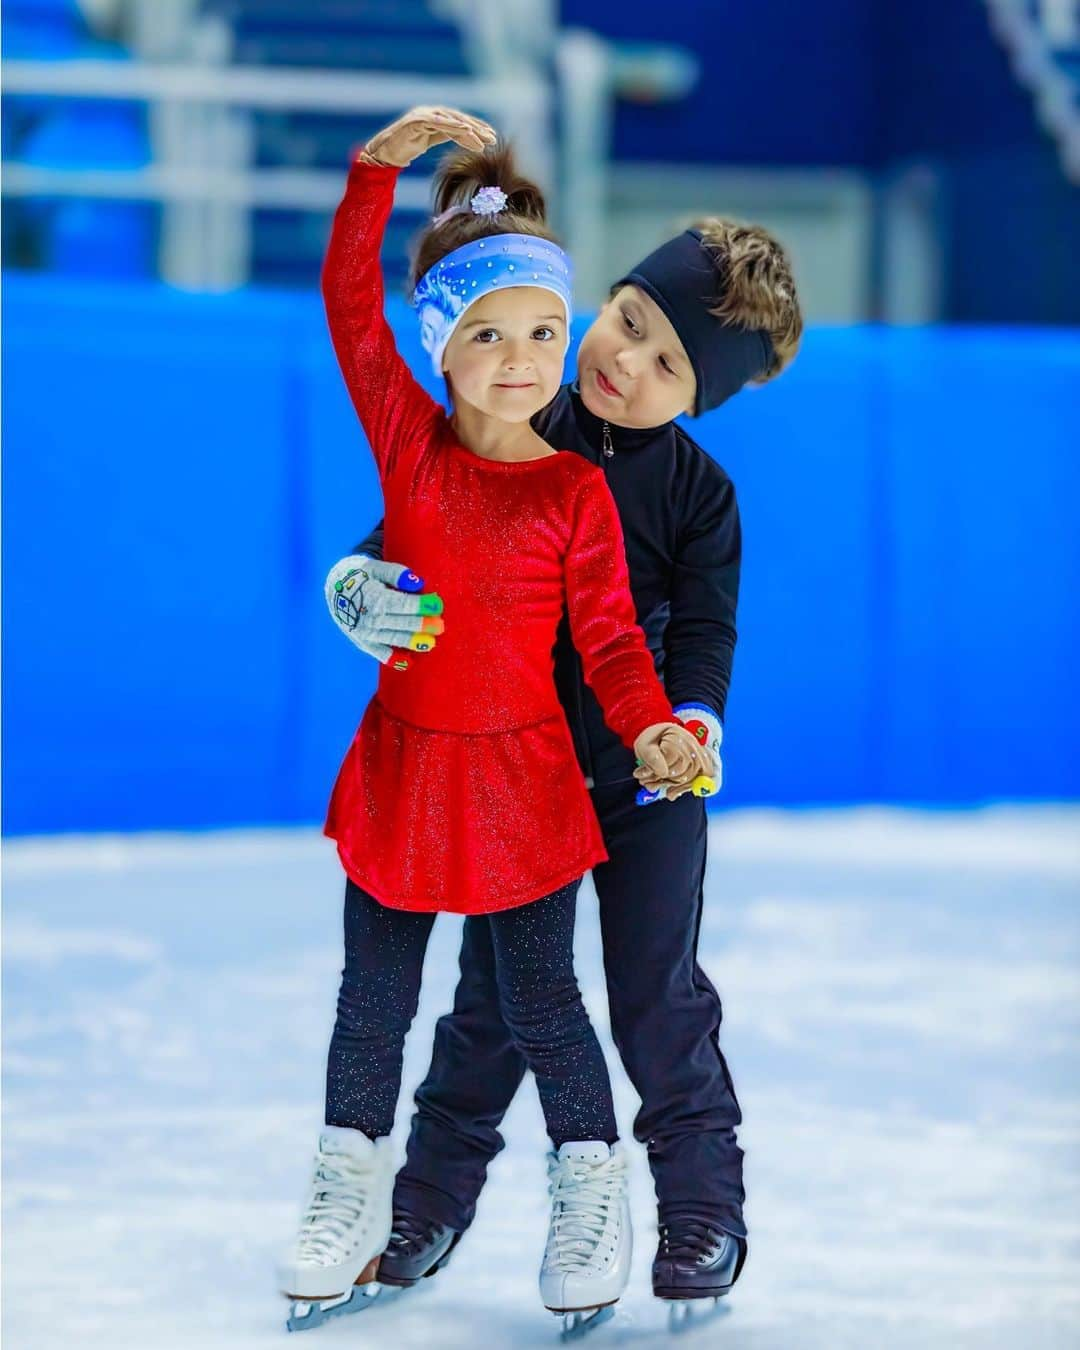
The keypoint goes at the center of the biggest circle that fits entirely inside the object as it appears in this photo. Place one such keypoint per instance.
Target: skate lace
(341, 1185)
(583, 1195)
(693, 1238)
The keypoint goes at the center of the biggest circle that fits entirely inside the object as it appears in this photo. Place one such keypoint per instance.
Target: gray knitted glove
(379, 608)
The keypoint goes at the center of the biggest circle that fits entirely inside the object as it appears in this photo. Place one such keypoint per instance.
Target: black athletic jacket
(683, 548)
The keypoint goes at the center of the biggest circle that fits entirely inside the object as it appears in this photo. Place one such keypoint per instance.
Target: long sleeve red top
(461, 790)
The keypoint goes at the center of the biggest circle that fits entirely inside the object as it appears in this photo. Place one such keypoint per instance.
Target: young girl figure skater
(461, 791)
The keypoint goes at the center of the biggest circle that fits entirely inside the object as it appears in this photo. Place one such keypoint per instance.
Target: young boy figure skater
(709, 311)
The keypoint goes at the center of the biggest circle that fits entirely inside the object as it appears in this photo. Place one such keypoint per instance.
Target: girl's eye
(487, 335)
(629, 322)
(545, 334)
(663, 362)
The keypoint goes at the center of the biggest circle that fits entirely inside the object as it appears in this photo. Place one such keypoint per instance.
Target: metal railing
(201, 134)
(1033, 31)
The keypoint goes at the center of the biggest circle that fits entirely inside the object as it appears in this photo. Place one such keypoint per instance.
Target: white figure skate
(587, 1259)
(344, 1229)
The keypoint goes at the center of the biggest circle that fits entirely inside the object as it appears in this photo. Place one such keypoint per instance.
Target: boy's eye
(629, 322)
(487, 335)
(544, 333)
(664, 363)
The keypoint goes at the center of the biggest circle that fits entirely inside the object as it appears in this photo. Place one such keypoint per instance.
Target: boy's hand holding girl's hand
(671, 757)
(416, 131)
(701, 727)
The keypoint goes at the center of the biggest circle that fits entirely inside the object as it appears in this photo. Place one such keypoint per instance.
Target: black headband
(683, 278)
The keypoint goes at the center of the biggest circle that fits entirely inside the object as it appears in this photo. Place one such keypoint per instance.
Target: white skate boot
(587, 1258)
(344, 1229)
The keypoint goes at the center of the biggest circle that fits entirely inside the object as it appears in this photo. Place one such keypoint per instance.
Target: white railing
(1031, 32)
(259, 87)
(203, 146)
(1060, 21)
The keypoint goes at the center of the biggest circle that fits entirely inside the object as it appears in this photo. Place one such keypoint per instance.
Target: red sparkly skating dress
(461, 790)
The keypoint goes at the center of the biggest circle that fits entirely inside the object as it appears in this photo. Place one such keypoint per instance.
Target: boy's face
(506, 355)
(632, 368)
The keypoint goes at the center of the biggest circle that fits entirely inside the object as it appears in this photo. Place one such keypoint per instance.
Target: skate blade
(306, 1314)
(578, 1324)
(685, 1314)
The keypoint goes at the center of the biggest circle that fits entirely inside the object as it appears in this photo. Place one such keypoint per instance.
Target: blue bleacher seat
(85, 237)
(401, 35)
(41, 28)
(95, 238)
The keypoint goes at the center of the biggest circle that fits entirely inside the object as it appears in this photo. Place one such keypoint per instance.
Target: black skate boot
(696, 1265)
(417, 1248)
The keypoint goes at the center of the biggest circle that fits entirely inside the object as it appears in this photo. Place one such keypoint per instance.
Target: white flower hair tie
(486, 201)
(489, 201)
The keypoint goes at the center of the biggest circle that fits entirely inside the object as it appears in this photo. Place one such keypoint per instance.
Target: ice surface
(901, 1019)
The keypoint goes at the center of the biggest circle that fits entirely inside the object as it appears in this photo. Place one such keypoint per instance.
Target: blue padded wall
(180, 472)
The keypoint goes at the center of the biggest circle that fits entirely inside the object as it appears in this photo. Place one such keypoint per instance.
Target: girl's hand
(702, 721)
(672, 755)
(419, 129)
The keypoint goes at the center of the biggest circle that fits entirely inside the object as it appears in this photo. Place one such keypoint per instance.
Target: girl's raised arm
(393, 409)
(392, 406)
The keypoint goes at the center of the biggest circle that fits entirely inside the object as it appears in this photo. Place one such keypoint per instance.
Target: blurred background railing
(1043, 37)
(202, 140)
(250, 107)
(173, 417)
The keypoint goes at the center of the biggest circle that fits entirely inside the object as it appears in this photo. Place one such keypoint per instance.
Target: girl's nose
(517, 357)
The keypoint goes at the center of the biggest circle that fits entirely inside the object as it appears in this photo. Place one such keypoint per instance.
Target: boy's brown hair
(758, 285)
(457, 180)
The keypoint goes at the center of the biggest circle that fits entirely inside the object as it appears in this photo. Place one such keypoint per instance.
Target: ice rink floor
(901, 1020)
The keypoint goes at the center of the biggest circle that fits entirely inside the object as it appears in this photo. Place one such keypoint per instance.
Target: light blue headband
(447, 289)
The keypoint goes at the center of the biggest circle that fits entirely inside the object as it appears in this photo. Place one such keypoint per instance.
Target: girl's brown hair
(758, 285)
(457, 180)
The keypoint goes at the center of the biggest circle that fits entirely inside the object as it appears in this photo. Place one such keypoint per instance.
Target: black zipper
(606, 443)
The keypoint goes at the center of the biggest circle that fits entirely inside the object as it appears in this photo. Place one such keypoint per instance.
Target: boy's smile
(632, 368)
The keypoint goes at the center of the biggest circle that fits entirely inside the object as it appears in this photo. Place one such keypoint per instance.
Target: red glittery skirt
(469, 824)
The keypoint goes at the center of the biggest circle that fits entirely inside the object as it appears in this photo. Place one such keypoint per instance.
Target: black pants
(665, 1017)
(531, 966)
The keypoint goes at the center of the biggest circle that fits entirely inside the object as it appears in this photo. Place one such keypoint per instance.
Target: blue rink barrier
(180, 471)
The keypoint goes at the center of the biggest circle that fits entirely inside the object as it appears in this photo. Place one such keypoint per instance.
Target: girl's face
(632, 368)
(505, 357)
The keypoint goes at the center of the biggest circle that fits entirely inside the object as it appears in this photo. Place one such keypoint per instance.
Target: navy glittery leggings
(538, 995)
